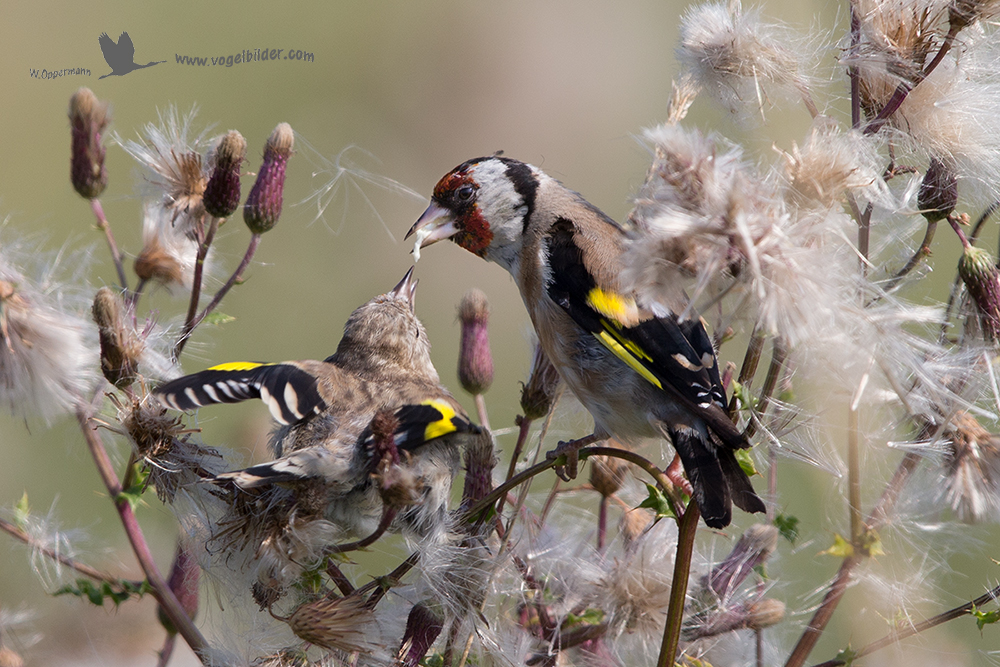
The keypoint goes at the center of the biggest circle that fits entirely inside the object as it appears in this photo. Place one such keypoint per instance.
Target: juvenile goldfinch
(326, 409)
(637, 367)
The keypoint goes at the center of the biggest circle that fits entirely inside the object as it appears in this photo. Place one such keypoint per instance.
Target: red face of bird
(482, 205)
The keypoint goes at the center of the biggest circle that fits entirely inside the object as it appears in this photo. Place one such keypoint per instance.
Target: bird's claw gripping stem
(571, 450)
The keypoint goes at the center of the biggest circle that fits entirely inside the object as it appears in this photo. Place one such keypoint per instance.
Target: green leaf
(742, 394)
(788, 526)
(841, 548)
(871, 544)
(658, 502)
(133, 494)
(97, 592)
(588, 617)
(22, 512)
(433, 660)
(216, 319)
(984, 618)
(847, 656)
(746, 462)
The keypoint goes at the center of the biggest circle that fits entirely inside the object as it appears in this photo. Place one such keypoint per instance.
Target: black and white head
(483, 205)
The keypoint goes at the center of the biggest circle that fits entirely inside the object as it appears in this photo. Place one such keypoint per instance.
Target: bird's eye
(465, 193)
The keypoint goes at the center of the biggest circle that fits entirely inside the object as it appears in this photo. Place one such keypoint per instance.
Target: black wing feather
(291, 393)
(678, 354)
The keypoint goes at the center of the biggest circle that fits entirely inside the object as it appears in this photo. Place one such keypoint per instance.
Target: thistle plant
(810, 264)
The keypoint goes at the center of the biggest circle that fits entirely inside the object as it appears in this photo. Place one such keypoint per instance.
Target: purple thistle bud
(88, 118)
(543, 382)
(222, 193)
(754, 547)
(938, 193)
(982, 278)
(183, 582)
(475, 362)
(121, 347)
(263, 206)
(422, 628)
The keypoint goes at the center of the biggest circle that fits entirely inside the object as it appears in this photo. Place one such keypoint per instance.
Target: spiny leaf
(746, 462)
(96, 592)
(841, 548)
(984, 618)
(218, 319)
(788, 526)
(658, 502)
(22, 512)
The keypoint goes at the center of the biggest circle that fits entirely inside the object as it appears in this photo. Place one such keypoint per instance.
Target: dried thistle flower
(938, 193)
(222, 192)
(538, 394)
(168, 253)
(339, 624)
(263, 205)
(607, 474)
(121, 346)
(972, 469)
(183, 582)
(177, 165)
(422, 628)
(88, 119)
(43, 352)
(163, 444)
(475, 363)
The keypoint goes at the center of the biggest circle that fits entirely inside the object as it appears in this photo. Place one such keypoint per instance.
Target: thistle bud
(120, 345)
(982, 278)
(337, 624)
(543, 382)
(480, 459)
(938, 191)
(422, 628)
(475, 363)
(263, 205)
(183, 582)
(222, 193)
(396, 483)
(88, 118)
(755, 615)
(754, 547)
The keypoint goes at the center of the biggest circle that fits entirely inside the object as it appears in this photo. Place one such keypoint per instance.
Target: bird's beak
(407, 288)
(436, 224)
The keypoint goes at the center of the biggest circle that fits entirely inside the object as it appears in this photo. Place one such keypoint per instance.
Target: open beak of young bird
(406, 289)
(436, 224)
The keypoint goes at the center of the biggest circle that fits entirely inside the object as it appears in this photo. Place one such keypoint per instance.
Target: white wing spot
(686, 363)
(292, 400)
(193, 397)
(272, 405)
(210, 390)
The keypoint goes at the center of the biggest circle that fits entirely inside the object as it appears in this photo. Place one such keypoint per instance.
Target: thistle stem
(899, 635)
(161, 591)
(82, 568)
(237, 274)
(105, 226)
(678, 589)
(199, 270)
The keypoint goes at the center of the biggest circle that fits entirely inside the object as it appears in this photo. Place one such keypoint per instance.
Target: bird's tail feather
(711, 491)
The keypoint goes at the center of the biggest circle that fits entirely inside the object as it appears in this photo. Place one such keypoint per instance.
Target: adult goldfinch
(638, 368)
(325, 410)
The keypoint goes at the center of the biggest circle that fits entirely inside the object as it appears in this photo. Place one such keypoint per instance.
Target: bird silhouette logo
(120, 55)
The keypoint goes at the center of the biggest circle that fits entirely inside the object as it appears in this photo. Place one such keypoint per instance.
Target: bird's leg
(570, 450)
(675, 473)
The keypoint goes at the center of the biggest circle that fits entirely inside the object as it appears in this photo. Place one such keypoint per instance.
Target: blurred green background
(420, 86)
